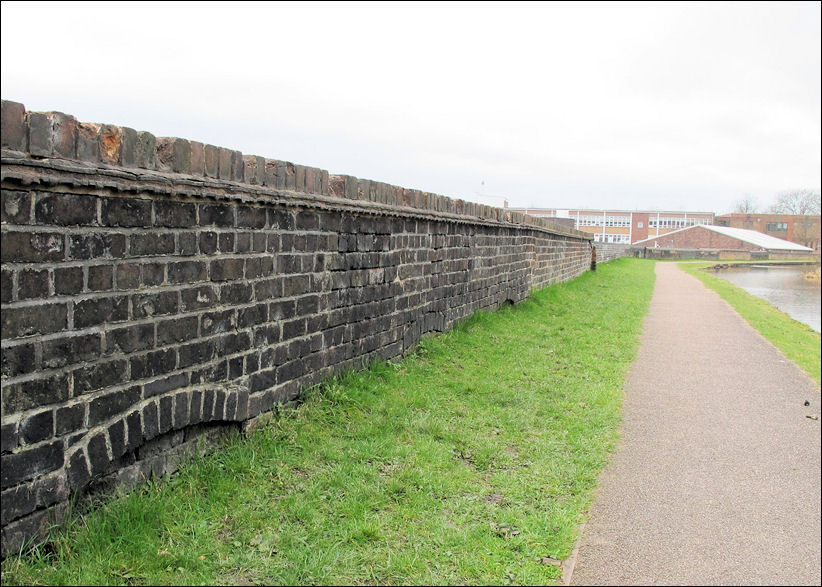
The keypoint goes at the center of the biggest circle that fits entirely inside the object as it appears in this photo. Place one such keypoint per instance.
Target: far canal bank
(784, 286)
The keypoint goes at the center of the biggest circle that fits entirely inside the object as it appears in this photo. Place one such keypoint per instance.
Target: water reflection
(783, 286)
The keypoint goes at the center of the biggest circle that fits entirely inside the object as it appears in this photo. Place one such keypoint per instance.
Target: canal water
(784, 286)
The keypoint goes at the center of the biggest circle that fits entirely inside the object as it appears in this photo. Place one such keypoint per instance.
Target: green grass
(797, 341)
(465, 463)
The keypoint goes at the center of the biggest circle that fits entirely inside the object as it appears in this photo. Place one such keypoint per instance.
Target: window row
(674, 222)
(599, 220)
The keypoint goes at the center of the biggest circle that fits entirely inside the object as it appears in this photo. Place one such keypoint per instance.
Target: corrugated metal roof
(754, 237)
(759, 239)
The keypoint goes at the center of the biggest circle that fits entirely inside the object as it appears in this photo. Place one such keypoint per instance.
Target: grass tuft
(467, 462)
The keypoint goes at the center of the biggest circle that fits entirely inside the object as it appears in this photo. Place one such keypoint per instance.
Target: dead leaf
(163, 552)
(547, 560)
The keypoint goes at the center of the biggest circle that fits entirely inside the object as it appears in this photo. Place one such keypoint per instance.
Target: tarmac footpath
(716, 480)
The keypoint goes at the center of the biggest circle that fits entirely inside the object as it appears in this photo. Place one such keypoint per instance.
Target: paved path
(717, 477)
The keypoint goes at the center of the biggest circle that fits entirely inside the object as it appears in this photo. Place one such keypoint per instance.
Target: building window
(776, 227)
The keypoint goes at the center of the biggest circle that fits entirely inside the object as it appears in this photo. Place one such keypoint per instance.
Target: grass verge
(797, 341)
(471, 461)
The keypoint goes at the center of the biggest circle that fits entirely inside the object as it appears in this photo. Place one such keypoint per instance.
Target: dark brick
(28, 320)
(236, 293)
(176, 330)
(252, 316)
(21, 466)
(199, 297)
(144, 245)
(37, 427)
(181, 410)
(98, 377)
(197, 158)
(32, 284)
(16, 502)
(307, 221)
(166, 413)
(225, 242)
(6, 285)
(173, 154)
(226, 269)
(281, 219)
(195, 415)
(27, 247)
(153, 364)
(77, 470)
(208, 243)
(129, 147)
(13, 125)
(213, 322)
(68, 280)
(151, 422)
(146, 150)
(219, 404)
(70, 419)
(235, 367)
(88, 144)
(212, 161)
(152, 274)
(37, 393)
(186, 272)
(231, 406)
(94, 246)
(164, 385)
(128, 276)
(15, 207)
(117, 438)
(186, 243)
(248, 217)
(174, 214)
(100, 278)
(9, 437)
(65, 209)
(225, 163)
(18, 360)
(263, 380)
(41, 141)
(217, 215)
(64, 351)
(134, 435)
(125, 212)
(196, 353)
(96, 312)
(107, 406)
(208, 405)
(130, 339)
(98, 454)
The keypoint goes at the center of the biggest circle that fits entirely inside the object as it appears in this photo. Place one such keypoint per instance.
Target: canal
(783, 286)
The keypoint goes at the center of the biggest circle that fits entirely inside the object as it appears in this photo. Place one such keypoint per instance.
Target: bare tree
(746, 205)
(796, 202)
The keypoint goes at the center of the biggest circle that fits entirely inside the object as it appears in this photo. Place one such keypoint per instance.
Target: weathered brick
(70, 419)
(32, 283)
(151, 421)
(28, 320)
(110, 138)
(142, 245)
(98, 311)
(213, 322)
(153, 364)
(186, 272)
(30, 463)
(37, 427)
(128, 275)
(154, 304)
(28, 247)
(63, 351)
(9, 437)
(98, 376)
(78, 470)
(100, 278)
(197, 166)
(41, 140)
(134, 433)
(88, 246)
(15, 207)
(173, 154)
(217, 215)
(146, 150)
(152, 274)
(117, 438)
(225, 242)
(164, 385)
(166, 414)
(130, 339)
(212, 160)
(98, 454)
(6, 285)
(176, 330)
(36, 393)
(227, 269)
(129, 147)
(174, 214)
(129, 212)
(13, 126)
(18, 360)
(181, 410)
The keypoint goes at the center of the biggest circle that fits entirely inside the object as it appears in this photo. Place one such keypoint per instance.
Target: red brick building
(796, 228)
(724, 239)
(623, 226)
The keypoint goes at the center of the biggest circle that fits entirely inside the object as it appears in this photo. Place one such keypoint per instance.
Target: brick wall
(154, 289)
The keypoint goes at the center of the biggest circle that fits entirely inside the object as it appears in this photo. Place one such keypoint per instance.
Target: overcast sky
(660, 106)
